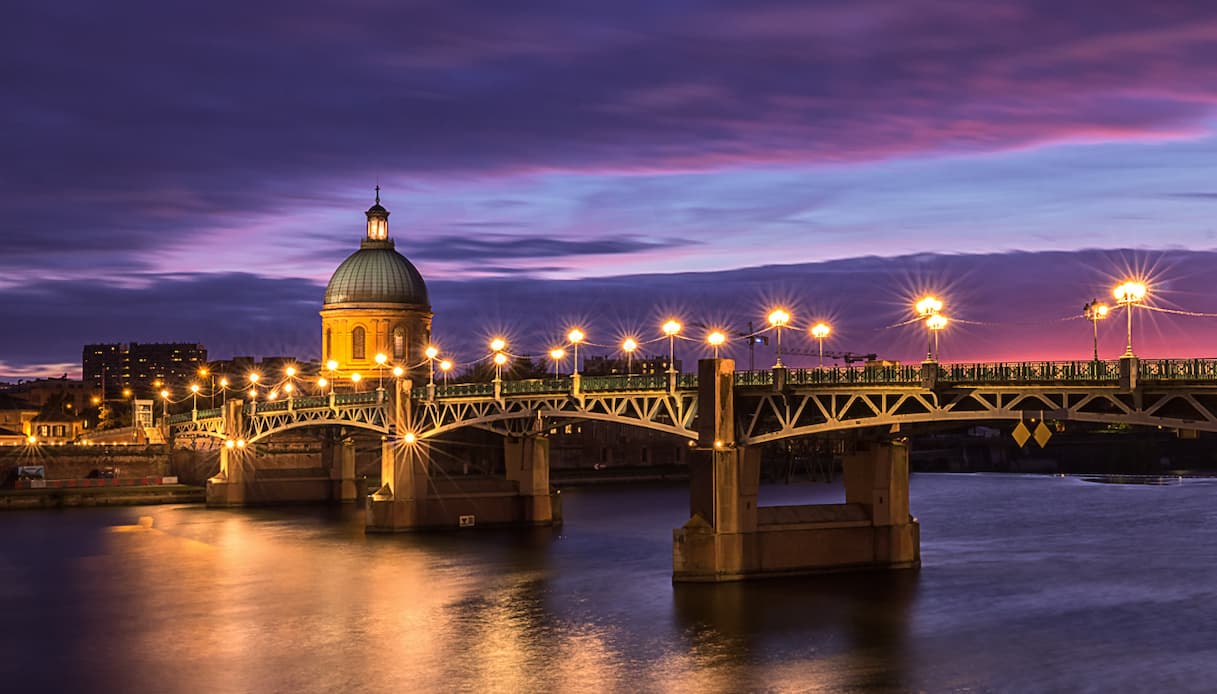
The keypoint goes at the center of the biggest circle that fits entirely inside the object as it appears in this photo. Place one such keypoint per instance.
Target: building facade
(375, 303)
(143, 368)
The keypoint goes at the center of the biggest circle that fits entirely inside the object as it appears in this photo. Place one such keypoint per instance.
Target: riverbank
(14, 499)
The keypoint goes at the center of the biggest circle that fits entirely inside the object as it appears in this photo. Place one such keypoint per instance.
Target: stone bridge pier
(729, 538)
(412, 498)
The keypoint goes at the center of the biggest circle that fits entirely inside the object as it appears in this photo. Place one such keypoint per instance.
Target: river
(1028, 584)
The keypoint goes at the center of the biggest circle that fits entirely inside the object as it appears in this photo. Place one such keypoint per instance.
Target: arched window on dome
(399, 343)
(358, 338)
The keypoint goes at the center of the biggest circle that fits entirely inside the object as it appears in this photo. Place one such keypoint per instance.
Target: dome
(376, 273)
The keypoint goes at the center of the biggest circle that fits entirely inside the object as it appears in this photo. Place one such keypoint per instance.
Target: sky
(196, 171)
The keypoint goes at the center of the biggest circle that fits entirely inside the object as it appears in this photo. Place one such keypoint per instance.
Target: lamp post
(575, 336)
(381, 360)
(223, 391)
(557, 354)
(332, 367)
(1128, 295)
(926, 308)
(672, 329)
(820, 331)
(935, 324)
(431, 352)
(322, 383)
(194, 395)
(128, 393)
(445, 366)
(499, 360)
(355, 379)
(716, 340)
(628, 346)
(253, 385)
(1094, 312)
(164, 405)
(779, 318)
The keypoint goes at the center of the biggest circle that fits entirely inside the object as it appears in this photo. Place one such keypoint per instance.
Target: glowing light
(557, 353)
(431, 352)
(230, 443)
(779, 317)
(356, 378)
(936, 322)
(96, 400)
(321, 382)
(31, 439)
(203, 371)
(575, 336)
(928, 306)
(126, 392)
(291, 371)
(1130, 292)
(240, 443)
(398, 371)
(498, 344)
(194, 387)
(716, 339)
(288, 388)
(331, 365)
(165, 394)
(223, 382)
(409, 437)
(500, 359)
(253, 377)
(671, 327)
(445, 365)
(630, 344)
(273, 394)
(253, 393)
(820, 331)
(381, 359)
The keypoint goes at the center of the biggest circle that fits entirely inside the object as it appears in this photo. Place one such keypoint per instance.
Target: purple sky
(195, 172)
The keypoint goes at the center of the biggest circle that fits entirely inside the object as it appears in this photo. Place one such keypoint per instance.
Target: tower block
(729, 538)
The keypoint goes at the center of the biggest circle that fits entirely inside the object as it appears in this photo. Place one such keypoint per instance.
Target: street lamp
(716, 340)
(223, 390)
(778, 318)
(557, 354)
(164, 405)
(1130, 294)
(927, 308)
(253, 385)
(332, 367)
(194, 394)
(1094, 312)
(629, 345)
(322, 383)
(381, 360)
(445, 366)
(499, 360)
(355, 379)
(820, 331)
(936, 323)
(431, 353)
(672, 329)
(575, 336)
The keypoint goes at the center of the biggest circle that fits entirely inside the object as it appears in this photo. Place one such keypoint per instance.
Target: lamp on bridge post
(672, 329)
(223, 391)
(322, 382)
(445, 366)
(253, 385)
(1094, 312)
(431, 353)
(355, 379)
(779, 318)
(381, 360)
(927, 308)
(628, 346)
(935, 324)
(557, 354)
(194, 394)
(499, 360)
(332, 367)
(164, 405)
(1128, 295)
(575, 336)
(716, 340)
(820, 331)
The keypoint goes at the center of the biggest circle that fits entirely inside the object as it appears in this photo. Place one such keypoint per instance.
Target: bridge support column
(730, 538)
(397, 505)
(340, 463)
(527, 464)
(1129, 366)
(228, 487)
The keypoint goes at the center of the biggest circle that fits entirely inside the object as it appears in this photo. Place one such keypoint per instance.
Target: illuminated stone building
(375, 303)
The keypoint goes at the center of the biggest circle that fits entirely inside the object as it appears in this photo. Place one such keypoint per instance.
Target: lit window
(357, 343)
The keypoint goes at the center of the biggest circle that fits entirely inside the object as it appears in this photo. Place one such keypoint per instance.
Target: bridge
(726, 415)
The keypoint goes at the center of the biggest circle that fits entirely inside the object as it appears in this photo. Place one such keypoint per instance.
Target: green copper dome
(376, 273)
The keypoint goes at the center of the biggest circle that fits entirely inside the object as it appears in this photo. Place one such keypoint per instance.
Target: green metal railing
(1178, 370)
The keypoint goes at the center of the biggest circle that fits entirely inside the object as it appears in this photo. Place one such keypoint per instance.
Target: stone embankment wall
(76, 462)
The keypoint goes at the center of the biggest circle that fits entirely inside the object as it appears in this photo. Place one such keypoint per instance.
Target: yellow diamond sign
(1042, 434)
(1021, 434)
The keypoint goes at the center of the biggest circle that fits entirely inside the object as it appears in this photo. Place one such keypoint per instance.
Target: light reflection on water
(1028, 584)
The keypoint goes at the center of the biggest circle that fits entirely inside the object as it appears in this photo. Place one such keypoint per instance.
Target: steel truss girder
(775, 416)
(672, 413)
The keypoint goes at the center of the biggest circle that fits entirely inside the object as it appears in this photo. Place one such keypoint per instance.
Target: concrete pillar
(228, 487)
(1129, 366)
(877, 479)
(397, 505)
(339, 461)
(929, 374)
(526, 460)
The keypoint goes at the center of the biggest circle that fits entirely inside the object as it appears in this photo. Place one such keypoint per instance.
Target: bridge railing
(609, 384)
(461, 390)
(536, 385)
(1032, 372)
(1178, 370)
